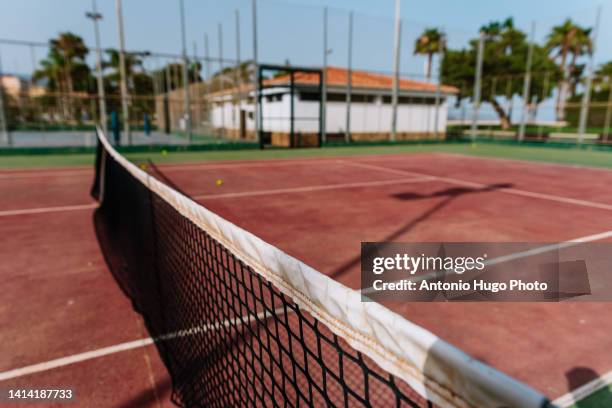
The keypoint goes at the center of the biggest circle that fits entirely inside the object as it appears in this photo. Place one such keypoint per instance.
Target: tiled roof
(338, 77)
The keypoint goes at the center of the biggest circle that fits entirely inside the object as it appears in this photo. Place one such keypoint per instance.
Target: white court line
(226, 165)
(525, 161)
(514, 191)
(282, 162)
(583, 391)
(42, 210)
(75, 358)
(44, 172)
(312, 188)
(130, 345)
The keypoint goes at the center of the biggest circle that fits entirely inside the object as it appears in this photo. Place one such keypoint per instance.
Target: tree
(431, 42)
(600, 112)
(505, 56)
(171, 76)
(65, 69)
(604, 70)
(132, 63)
(139, 82)
(565, 39)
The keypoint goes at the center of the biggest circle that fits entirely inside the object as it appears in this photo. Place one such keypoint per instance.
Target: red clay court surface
(59, 299)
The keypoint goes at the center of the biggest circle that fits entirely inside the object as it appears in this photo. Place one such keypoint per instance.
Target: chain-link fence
(384, 79)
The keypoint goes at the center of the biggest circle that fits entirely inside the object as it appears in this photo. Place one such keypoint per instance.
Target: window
(309, 96)
(338, 97)
(274, 98)
(413, 100)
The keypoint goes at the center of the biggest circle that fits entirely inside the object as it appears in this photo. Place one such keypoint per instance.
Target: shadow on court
(449, 194)
(579, 376)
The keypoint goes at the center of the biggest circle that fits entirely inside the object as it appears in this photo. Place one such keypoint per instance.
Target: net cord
(435, 369)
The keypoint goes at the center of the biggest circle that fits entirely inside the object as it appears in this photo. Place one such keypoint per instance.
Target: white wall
(366, 117)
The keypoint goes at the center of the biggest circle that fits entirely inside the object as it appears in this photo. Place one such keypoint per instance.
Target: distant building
(19, 87)
(231, 111)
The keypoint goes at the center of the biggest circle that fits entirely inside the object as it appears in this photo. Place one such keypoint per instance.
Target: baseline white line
(229, 164)
(75, 358)
(312, 188)
(130, 345)
(525, 161)
(514, 191)
(42, 210)
(583, 391)
(44, 173)
(225, 165)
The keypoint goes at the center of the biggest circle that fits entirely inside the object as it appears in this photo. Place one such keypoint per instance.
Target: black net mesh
(227, 336)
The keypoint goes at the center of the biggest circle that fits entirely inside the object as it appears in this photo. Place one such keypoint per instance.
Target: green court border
(590, 155)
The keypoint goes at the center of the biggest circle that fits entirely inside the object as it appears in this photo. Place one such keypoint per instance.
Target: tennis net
(238, 322)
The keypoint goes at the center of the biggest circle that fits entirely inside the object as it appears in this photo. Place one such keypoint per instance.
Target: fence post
(477, 84)
(6, 136)
(606, 133)
(95, 16)
(256, 77)
(122, 73)
(586, 97)
(208, 104)
(441, 48)
(349, 84)
(187, 102)
(324, 80)
(396, 65)
(238, 75)
(527, 83)
(221, 77)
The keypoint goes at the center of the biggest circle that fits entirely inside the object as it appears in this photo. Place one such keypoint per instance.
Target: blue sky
(288, 30)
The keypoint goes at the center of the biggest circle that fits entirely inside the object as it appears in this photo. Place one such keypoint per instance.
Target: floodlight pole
(185, 74)
(349, 81)
(527, 83)
(324, 79)
(256, 76)
(396, 66)
(95, 16)
(4, 132)
(586, 97)
(477, 83)
(123, 73)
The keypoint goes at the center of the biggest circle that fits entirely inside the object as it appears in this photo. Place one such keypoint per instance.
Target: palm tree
(65, 68)
(431, 42)
(565, 39)
(70, 49)
(604, 70)
(132, 62)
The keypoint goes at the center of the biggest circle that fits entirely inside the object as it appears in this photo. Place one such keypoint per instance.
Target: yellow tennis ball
(219, 182)
(164, 152)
